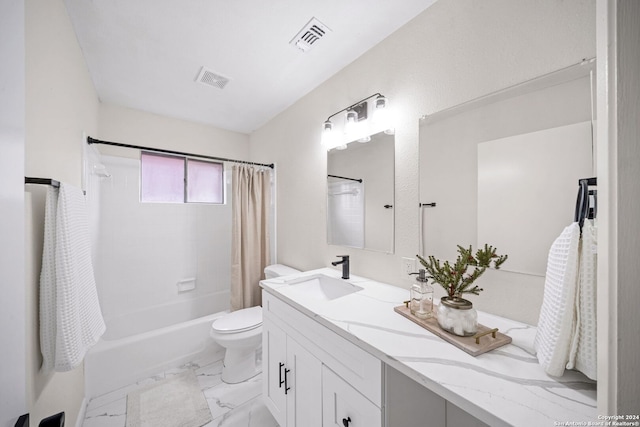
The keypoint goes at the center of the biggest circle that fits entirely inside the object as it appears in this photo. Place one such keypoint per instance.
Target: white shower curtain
(251, 191)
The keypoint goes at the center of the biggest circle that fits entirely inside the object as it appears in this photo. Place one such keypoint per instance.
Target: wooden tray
(467, 344)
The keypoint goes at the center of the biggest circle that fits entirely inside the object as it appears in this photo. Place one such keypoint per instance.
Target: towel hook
(582, 201)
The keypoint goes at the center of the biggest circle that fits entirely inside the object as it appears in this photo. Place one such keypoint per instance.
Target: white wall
(455, 51)
(619, 174)
(136, 127)
(60, 104)
(13, 398)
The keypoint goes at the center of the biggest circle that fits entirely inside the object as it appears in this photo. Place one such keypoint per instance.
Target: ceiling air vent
(309, 35)
(209, 78)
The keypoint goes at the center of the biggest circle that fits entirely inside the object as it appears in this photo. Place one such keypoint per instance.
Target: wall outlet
(407, 267)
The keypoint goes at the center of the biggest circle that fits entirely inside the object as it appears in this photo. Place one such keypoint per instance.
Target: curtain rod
(159, 150)
(44, 181)
(344, 177)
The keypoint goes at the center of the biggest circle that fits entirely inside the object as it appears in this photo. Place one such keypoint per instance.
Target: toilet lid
(239, 320)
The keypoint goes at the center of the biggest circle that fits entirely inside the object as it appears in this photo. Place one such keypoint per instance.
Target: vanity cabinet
(292, 379)
(365, 365)
(312, 376)
(343, 406)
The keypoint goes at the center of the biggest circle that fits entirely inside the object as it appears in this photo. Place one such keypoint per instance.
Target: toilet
(240, 333)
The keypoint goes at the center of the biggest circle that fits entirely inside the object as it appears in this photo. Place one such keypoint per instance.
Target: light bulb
(383, 116)
(329, 137)
(381, 102)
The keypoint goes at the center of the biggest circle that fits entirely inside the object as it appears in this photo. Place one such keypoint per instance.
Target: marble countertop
(505, 386)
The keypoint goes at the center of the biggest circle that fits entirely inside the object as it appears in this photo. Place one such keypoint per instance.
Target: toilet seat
(239, 321)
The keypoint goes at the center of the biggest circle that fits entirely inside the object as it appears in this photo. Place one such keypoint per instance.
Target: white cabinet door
(292, 379)
(343, 406)
(274, 358)
(304, 405)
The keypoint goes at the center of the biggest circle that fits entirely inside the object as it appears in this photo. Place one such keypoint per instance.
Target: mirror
(360, 194)
(504, 170)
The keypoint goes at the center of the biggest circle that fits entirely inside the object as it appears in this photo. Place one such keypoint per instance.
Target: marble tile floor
(231, 405)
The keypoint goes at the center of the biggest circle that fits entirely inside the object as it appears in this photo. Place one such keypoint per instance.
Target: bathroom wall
(60, 104)
(136, 127)
(13, 399)
(455, 51)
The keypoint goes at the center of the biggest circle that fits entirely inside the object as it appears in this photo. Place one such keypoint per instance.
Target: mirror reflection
(360, 194)
(505, 171)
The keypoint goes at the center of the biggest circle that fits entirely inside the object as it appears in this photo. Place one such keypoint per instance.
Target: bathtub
(133, 348)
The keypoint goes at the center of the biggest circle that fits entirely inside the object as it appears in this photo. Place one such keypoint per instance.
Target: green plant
(455, 279)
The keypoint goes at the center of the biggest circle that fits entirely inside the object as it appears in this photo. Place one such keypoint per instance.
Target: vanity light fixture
(357, 127)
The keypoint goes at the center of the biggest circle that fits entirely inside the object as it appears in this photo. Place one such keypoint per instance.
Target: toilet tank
(277, 270)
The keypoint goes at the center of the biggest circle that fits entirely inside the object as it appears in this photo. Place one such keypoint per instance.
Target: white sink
(322, 287)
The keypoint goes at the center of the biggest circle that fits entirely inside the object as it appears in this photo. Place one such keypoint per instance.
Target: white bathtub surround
(146, 249)
(149, 319)
(250, 245)
(503, 387)
(345, 211)
(70, 317)
(115, 363)
(230, 405)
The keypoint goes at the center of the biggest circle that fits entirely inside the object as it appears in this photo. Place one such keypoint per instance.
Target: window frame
(185, 179)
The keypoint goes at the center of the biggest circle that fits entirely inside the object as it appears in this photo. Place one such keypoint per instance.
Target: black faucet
(345, 265)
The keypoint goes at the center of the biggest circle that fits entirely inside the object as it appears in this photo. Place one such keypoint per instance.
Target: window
(175, 179)
(204, 182)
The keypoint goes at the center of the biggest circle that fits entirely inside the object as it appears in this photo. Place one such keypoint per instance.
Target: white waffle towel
(70, 318)
(583, 354)
(556, 323)
(48, 282)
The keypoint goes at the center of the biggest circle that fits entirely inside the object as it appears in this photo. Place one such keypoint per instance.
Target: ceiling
(147, 54)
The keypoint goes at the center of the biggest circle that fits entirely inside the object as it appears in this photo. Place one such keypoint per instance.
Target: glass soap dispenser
(421, 304)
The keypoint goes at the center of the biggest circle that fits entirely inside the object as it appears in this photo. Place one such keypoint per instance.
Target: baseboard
(82, 413)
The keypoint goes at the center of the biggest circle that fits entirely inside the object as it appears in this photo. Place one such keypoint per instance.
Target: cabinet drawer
(342, 405)
(359, 368)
